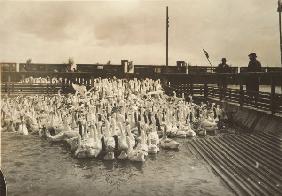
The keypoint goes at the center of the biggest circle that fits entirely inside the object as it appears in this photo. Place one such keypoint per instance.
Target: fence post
(9, 83)
(272, 96)
(92, 81)
(241, 99)
(206, 90)
(13, 84)
(63, 84)
(191, 89)
(47, 88)
(50, 85)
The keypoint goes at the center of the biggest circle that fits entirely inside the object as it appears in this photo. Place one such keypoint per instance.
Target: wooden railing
(204, 85)
(182, 68)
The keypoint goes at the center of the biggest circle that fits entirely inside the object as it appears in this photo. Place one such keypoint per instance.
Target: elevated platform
(249, 161)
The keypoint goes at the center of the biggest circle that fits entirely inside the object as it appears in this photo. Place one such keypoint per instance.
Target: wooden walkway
(250, 164)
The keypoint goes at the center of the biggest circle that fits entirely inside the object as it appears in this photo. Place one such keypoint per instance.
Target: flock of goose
(41, 80)
(116, 119)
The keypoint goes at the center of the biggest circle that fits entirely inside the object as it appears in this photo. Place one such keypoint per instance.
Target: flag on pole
(207, 56)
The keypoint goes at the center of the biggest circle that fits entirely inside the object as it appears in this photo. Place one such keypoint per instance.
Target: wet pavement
(33, 166)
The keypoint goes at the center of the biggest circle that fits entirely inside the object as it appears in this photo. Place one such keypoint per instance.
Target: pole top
(279, 8)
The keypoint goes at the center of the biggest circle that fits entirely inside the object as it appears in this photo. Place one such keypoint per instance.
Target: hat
(253, 54)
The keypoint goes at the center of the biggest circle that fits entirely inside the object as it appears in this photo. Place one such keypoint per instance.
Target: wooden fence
(204, 85)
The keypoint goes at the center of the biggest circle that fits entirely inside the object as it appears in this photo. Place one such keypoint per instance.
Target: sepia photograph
(141, 98)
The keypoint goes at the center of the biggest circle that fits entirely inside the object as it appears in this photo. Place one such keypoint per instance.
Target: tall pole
(280, 32)
(167, 25)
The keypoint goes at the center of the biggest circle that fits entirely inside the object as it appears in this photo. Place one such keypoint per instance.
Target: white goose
(97, 143)
(109, 142)
(130, 135)
(122, 143)
(189, 131)
(154, 137)
(22, 127)
(167, 143)
(133, 154)
(142, 145)
(152, 146)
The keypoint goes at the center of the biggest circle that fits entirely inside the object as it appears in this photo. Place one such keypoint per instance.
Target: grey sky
(99, 31)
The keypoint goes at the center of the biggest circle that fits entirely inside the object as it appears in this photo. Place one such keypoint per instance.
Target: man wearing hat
(252, 82)
(222, 68)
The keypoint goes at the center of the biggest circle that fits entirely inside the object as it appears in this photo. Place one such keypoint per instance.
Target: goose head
(164, 132)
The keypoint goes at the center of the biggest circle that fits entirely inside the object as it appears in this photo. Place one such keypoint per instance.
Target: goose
(133, 154)
(80, 153)
(22, 127)
(62, 136)
(180, 133)
(122, 143)
(175, 132)
(32, 123)
(142, 144)
(87, 147)
(152, 146)
(115, 129)
(154, 137)
(218, 113)
(167, 143)
(55, 123)
(95, 142)
(201, 132)
(109, 142)
(189, 131)
(42, 129)
(208, 124)
(130, 135)
(10, 127)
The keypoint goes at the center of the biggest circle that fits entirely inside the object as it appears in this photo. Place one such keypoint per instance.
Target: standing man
(222, 80)
(222, 67)
(252, 82)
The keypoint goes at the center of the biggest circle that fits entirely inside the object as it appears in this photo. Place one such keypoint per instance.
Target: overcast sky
(90, 32)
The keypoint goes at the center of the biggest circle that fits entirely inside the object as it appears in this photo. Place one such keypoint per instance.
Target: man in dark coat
(222, 81)
(252, 82)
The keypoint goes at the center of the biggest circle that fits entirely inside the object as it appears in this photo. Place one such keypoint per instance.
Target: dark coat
(222, 68)
(252, 82)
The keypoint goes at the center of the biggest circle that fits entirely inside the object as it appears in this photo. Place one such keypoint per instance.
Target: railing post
(63, 84)
(6, 85)
(50, 84)
(241, 99)
(191, 89)
(92, 81)
(47, 88)
(9, 83)
(272, 97)
(13, 84)
(206, 90)
(220, 90)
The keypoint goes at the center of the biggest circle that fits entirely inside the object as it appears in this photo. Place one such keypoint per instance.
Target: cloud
(99, 31)
(49, 22)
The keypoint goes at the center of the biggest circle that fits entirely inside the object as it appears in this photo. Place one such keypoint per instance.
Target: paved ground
(251, 164)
